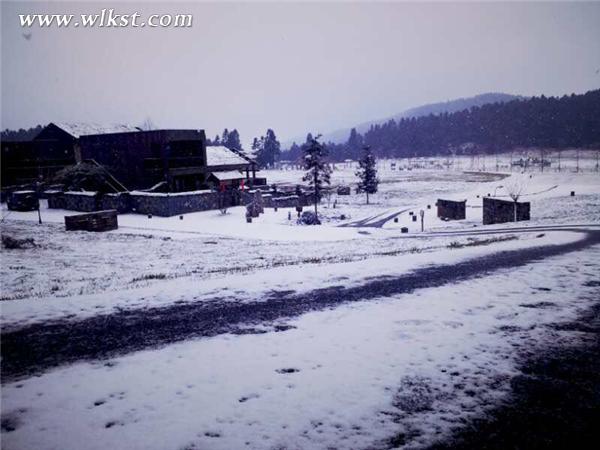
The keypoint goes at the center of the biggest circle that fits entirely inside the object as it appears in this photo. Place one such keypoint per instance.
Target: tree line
(21, 134)
(266, 150)
(546, 122)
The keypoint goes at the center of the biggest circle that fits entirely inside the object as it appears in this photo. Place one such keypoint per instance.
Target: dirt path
(40, 347)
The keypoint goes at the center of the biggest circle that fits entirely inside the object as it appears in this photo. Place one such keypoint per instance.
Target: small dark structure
(343, 190)
(22, 201)
(501, 211)
(97, 221)
(451, 210)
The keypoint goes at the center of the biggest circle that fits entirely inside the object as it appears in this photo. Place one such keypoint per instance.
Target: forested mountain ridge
(459, 104)
(550, 122)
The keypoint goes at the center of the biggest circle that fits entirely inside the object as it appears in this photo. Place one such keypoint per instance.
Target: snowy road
(39, 347)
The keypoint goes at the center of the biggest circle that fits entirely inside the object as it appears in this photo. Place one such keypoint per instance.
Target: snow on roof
(169, 194)
(82, 193)
(228, 175)
(222, 156)
(77, 129)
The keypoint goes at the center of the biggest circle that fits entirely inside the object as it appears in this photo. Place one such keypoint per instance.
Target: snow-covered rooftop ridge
(77, 129)
(83, 193)
(229, 175)
(219, 155)
(169, 194)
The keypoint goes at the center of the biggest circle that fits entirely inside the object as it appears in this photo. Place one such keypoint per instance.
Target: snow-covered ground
(298, 276)
(419, 363)
(208, 244)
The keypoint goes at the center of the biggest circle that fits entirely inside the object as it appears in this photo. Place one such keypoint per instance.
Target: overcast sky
(291, 67)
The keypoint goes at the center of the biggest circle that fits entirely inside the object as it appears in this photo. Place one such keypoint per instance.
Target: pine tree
(318, 173)
(257, 150)
(354, 144)
(268, 149)
(231, 140)
(367, 173)
(225, 137)
(256, 145)
(272, 147)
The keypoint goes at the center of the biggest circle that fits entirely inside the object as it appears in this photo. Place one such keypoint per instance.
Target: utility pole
(422, 214)
(37, 194)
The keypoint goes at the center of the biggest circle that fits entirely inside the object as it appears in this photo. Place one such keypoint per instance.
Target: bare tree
(148, 125)
(515, 187)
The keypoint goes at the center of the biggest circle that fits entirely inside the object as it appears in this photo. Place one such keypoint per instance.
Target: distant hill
(570, 121)
(460, 104)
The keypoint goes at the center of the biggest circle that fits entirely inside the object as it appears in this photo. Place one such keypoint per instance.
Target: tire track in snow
(40, 347)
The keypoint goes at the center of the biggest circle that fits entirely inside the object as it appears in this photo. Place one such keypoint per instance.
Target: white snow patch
(340, 378)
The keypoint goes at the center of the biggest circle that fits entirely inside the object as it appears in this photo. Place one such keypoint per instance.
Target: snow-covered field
(418, 364)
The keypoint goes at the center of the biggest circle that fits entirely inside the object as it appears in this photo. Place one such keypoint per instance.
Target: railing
(119, 187)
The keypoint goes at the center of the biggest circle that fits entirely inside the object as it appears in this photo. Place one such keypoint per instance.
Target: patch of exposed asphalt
(553, 404)
(40, 347)
(370, 222)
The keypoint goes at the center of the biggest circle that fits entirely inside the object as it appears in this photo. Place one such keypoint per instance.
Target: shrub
(12, 243)
(84, 176)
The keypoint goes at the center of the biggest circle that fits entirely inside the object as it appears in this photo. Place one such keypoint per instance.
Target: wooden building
(166, 160)
(53, 149)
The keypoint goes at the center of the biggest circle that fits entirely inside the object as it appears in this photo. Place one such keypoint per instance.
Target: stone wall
(279, 199)
(288, 201)
(158, 204)
(181, 203)
(451, 210)
(165, 205)
(56, 199)
(120, 202)
(74, 201)
(502, 211)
